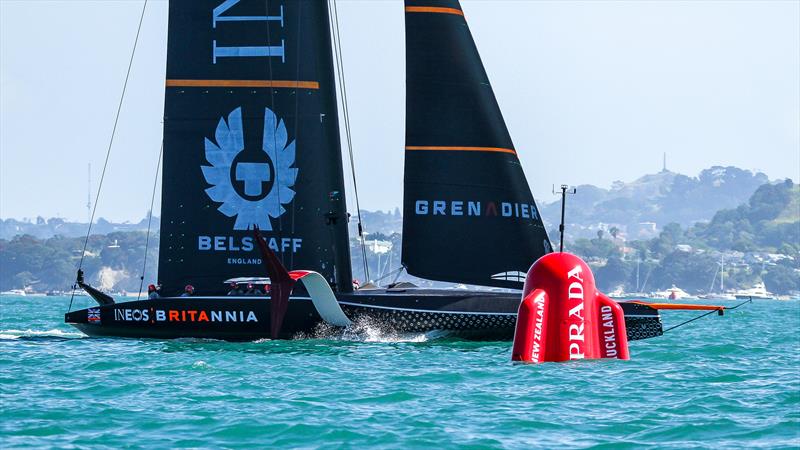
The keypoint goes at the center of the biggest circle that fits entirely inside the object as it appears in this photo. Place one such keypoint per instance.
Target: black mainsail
(469, 215)
(251, 138)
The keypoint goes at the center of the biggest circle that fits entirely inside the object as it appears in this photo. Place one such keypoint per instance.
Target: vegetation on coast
(758, 240)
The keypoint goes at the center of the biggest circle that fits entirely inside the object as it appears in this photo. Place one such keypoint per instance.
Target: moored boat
(672, 293)
(757, 292)
(15, 292)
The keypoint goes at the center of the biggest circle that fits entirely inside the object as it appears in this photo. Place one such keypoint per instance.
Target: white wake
(16, 334)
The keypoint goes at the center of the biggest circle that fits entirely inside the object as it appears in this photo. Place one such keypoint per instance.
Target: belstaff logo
(252, 185)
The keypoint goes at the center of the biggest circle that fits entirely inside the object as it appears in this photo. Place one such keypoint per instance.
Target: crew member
(235, 289)
(188, 291)
(152, 293)
(253, 290)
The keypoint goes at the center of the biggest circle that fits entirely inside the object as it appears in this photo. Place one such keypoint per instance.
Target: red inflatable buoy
(563, 317)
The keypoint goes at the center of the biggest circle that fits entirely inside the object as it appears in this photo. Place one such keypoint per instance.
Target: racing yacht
(252, 141)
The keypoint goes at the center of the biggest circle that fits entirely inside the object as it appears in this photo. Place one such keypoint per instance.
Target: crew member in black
(235, 289)
(253, 290)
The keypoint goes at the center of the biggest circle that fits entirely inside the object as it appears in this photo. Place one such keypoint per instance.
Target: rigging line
(110, 144)
(719, 311)
(390, 273)
(692, 320)
(150, 220)
(400, 272)
(385, 265)
(343, 88)
(713, 280)
(646, 277)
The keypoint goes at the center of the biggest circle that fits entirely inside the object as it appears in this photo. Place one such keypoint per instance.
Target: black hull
(465, 314)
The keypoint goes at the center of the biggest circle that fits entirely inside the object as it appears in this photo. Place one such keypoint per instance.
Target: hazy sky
(592, 92)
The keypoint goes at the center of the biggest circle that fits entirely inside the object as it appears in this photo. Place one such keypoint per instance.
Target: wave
(365, 329)
(53, 333)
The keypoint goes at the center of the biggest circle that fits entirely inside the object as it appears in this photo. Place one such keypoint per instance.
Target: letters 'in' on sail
(469, 215)
(251, 137)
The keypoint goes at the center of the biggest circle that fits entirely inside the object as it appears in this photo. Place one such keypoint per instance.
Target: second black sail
(469, 215)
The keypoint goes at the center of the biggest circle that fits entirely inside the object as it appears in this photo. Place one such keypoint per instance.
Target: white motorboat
(757, 292)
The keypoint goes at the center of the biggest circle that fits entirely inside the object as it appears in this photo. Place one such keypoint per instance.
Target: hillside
(639, 209)
(758, 240)
(769, 220)
(46, 228)
(759, 237)
(642, 207)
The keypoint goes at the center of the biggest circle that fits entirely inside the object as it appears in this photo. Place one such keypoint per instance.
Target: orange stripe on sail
(434, 9)
(244, 83)
(462, 149)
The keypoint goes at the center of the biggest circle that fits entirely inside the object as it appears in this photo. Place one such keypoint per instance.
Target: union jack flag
(93, 315)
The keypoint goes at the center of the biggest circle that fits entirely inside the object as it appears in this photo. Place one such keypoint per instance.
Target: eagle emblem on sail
(253, 206)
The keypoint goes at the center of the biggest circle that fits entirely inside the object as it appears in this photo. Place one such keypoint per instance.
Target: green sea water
(720, 382)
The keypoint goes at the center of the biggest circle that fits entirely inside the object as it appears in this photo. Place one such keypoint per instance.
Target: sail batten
(460, 149)
(469, 215)
(244, 83)
(434, 9)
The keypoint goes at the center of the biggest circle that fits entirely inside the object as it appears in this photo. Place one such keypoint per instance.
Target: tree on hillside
(768, 201)
(53, 262)
(686, 270)
(782, 278)
(755, 225)
(666, 241)
(614, 232)
(593, 248)
(613, 274)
